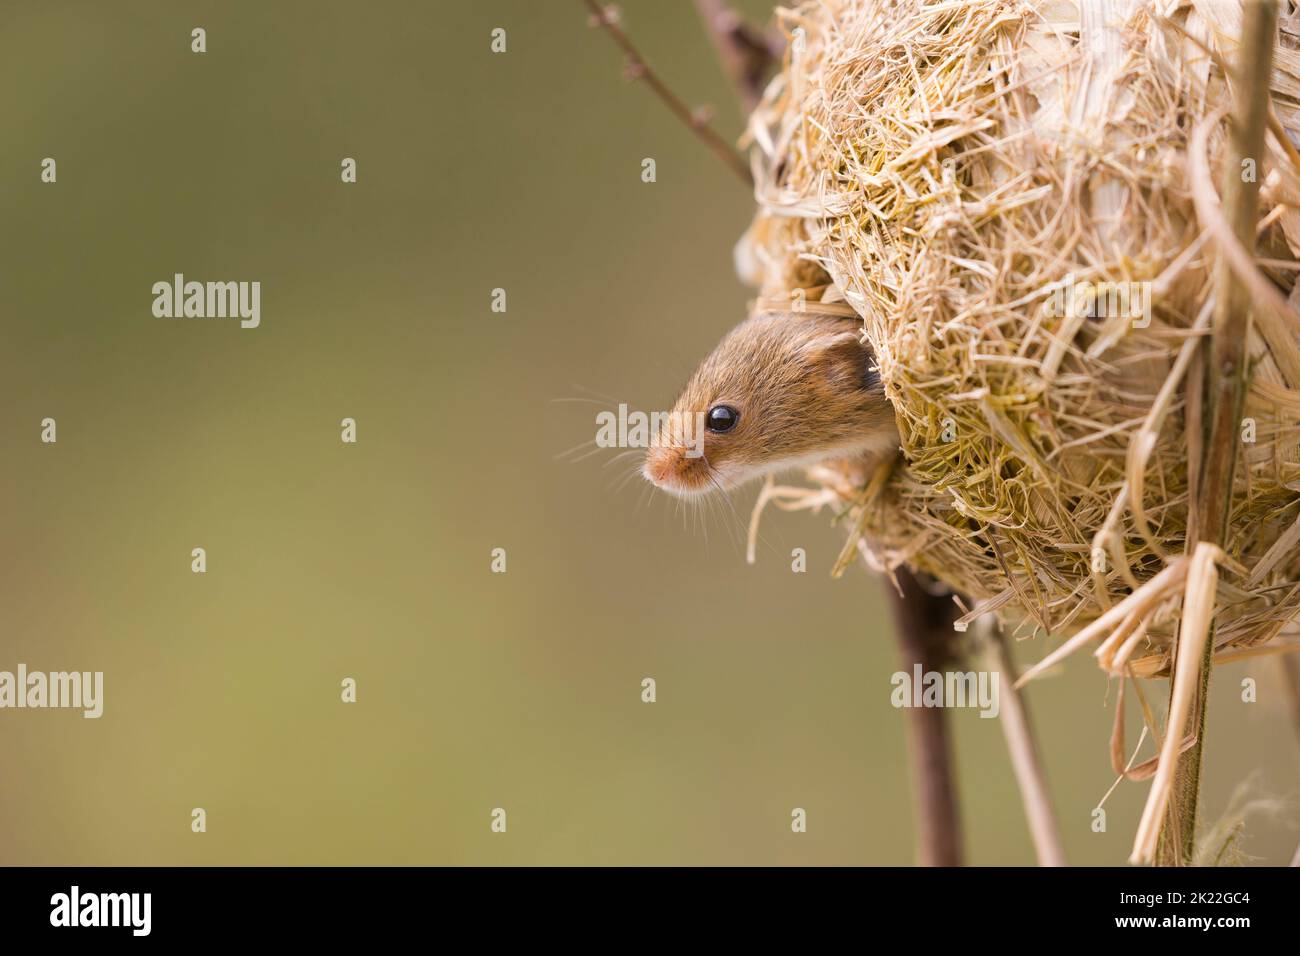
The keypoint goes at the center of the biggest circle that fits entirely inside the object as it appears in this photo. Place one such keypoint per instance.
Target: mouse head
(780, 390)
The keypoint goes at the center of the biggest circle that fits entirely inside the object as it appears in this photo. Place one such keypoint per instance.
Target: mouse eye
(722, 418)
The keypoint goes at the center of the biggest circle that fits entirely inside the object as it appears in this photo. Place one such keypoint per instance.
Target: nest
(992, 185)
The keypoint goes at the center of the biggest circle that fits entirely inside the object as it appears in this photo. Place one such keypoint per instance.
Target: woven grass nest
(946, 170)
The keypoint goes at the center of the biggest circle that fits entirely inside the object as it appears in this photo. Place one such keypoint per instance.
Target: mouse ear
(830, 343)
(844, 357)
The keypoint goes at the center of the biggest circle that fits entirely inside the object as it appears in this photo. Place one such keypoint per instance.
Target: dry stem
(639, 69)
(747, 54)
(923, 626)
(1227, 386)
(1019, 732)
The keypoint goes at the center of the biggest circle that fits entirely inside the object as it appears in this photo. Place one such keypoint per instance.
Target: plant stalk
(923, 627)
(1225, 374)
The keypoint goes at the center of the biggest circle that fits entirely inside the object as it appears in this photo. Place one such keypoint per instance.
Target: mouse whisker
(615, 459)
(633, 472)
(608, 399)
(732, 530)
(589, 443)
(646, 494)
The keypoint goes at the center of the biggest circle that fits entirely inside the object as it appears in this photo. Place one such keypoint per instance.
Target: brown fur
(804, 391)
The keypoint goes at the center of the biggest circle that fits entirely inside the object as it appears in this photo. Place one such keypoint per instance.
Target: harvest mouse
(781, 390)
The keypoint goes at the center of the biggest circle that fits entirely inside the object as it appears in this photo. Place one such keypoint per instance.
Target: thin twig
(923, 628)
(747, 54)
(1226, 375)
(696, 120)
(1019, 733)
(1290, 673)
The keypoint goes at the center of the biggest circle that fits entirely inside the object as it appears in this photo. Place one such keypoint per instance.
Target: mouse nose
(660, 464)
(674, 469)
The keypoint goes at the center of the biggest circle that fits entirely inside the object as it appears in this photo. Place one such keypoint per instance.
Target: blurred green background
(476, 690)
